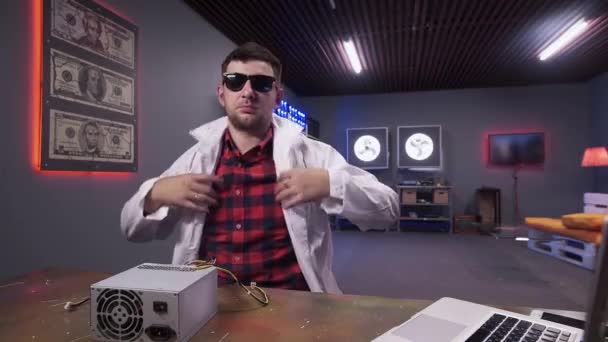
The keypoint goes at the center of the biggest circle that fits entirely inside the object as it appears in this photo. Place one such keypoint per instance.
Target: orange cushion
(586, 221)
(556, 226)
(549, 224)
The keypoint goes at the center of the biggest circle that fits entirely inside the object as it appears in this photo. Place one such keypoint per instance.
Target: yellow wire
(201, 265)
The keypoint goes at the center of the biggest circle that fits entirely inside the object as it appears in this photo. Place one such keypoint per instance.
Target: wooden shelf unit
(433, 201)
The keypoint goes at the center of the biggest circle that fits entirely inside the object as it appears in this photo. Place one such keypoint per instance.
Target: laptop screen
(596, 314)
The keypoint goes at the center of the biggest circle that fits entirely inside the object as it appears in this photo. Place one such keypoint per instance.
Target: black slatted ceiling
(414, 45)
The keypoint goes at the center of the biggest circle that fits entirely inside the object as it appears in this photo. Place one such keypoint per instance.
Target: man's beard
(255, 123)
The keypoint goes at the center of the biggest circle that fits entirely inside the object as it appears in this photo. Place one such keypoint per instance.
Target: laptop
(454, 320)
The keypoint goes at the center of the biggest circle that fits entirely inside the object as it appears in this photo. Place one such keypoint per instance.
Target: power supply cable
(71, 306)
(202, 264)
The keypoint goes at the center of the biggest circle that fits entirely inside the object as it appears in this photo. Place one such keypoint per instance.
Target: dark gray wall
(73, 221)
(562, 111)
(599, 126)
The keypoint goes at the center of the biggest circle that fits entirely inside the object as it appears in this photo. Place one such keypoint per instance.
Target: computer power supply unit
(153, 302)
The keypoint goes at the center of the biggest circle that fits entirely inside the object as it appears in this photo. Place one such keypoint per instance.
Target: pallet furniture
(574, 251)
(578, 247)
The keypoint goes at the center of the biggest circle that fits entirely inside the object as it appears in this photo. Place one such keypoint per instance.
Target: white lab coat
(354, 194)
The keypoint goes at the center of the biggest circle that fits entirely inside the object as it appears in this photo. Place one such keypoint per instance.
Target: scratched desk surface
(31, 309)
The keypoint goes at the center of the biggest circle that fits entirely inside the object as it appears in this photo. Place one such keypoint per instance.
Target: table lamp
(595, 156)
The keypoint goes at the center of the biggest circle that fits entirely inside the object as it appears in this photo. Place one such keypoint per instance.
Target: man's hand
(297, 186)
(191, 191)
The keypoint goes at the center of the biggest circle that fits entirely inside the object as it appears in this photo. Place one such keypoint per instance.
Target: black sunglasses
(236, 81)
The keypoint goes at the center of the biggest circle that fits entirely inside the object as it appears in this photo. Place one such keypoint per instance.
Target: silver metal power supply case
(153, 302)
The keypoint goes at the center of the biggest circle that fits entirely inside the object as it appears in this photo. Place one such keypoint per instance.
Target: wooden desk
(29, 311)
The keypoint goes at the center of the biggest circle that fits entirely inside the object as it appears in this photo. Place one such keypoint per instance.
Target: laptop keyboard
(510, 329)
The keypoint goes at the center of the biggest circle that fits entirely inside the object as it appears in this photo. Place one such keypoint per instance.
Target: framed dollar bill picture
(367, 148)
(89, 89)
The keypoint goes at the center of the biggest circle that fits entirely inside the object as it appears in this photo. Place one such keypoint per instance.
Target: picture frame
(368, 147)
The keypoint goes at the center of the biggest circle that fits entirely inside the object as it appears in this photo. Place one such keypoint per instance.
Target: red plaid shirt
(246, 233)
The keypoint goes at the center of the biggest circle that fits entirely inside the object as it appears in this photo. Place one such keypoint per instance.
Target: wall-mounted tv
(516, 149)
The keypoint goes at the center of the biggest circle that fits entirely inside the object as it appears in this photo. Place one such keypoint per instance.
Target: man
(254, 193)
(91, 84)
(91, 138)
(92, 29)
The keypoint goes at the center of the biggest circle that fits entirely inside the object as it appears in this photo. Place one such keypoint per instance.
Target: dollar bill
(75, 23)
(79, 137)
(76, 80)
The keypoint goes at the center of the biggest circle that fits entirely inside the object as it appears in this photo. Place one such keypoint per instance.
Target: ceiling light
(349, 46)
(564, 39)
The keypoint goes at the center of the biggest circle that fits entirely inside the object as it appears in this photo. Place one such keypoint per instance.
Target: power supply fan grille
(167, 268)
(119, 315)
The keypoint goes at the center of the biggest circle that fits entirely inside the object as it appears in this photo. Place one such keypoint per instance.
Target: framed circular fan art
(367, 148)
(419, 147)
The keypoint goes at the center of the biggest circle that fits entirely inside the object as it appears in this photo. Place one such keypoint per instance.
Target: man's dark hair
(251, 51)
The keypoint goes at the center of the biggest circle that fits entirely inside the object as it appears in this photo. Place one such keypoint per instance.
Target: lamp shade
(595, 156)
